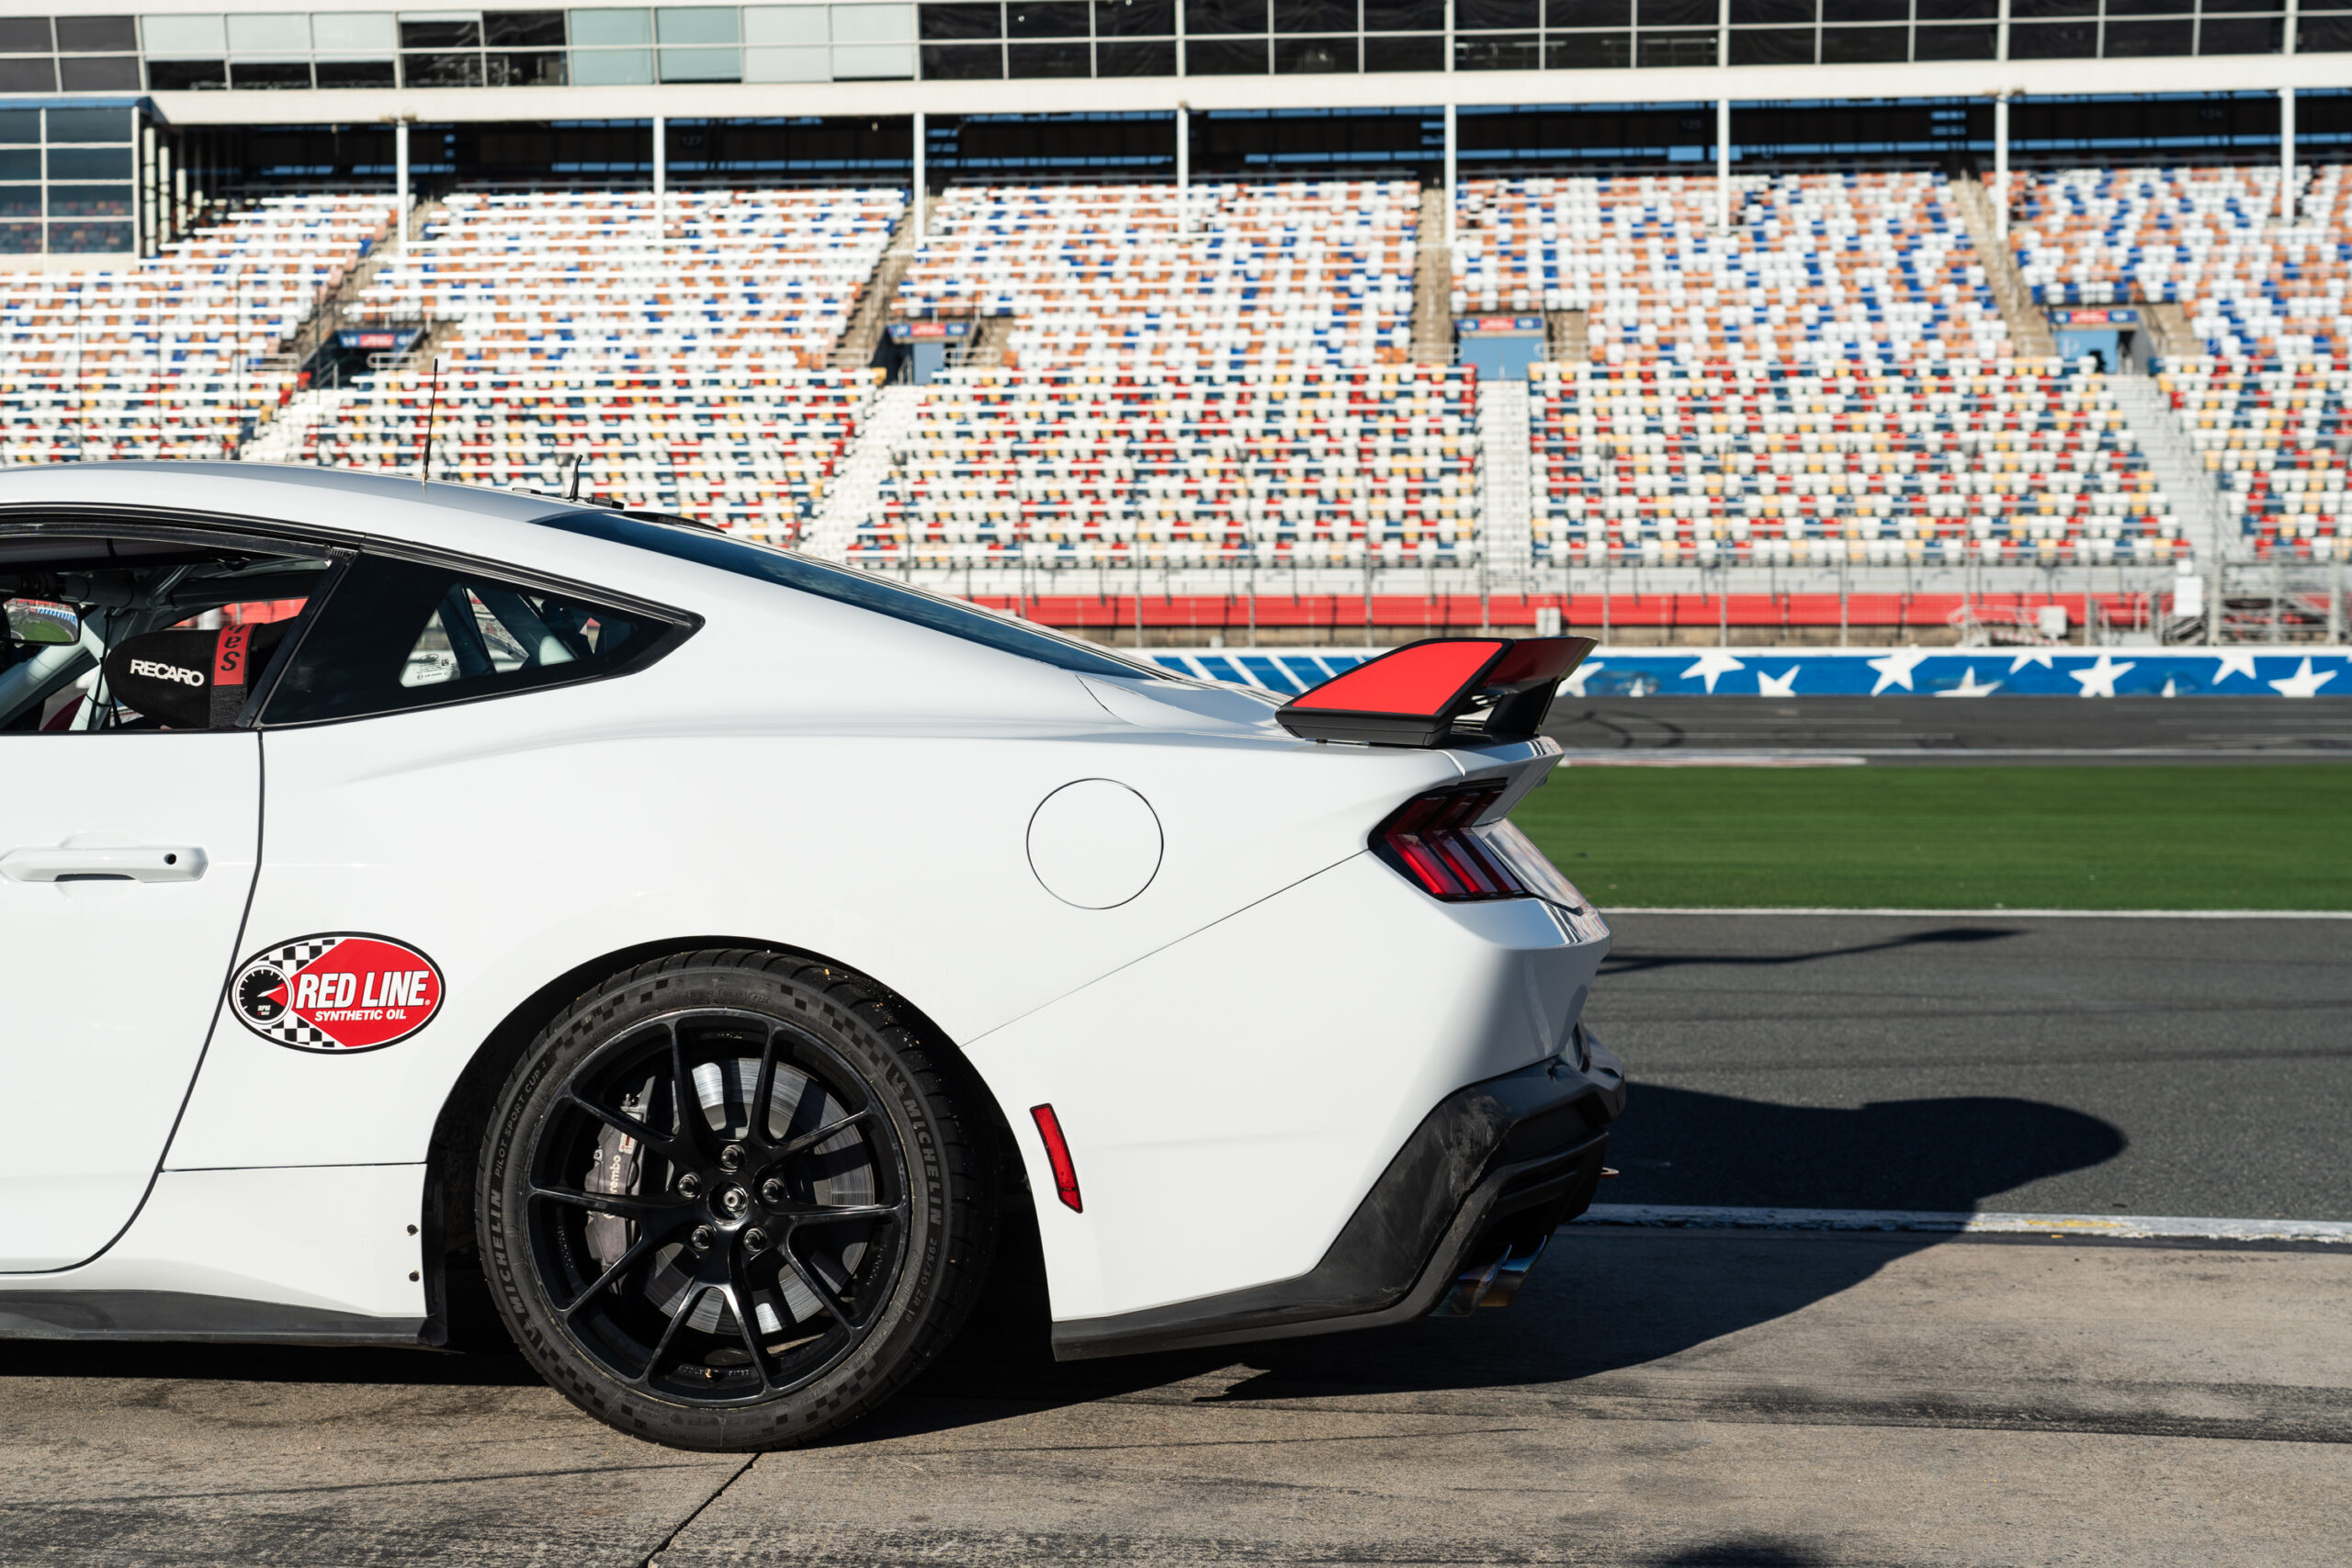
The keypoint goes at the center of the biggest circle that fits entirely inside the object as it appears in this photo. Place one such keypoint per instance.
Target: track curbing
(2129, 1227)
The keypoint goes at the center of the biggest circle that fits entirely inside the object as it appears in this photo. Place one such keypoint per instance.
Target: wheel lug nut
(702, 1238)
(772, 1191)
(690, 1184)
(731, 1157)
(756, 1239)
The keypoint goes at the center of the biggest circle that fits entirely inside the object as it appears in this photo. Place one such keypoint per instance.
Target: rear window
(848, 587)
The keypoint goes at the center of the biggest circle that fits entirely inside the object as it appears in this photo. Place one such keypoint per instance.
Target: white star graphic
(1894, 670)
(1781, 685)
(1713, 666)
(1574, 685)
(2228, 664)
(2098, 680)
(1969, 688)
(2302, 683)
(2038, 656)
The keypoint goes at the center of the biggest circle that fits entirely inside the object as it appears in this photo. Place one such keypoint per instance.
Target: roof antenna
(579, 461)
(432, 416)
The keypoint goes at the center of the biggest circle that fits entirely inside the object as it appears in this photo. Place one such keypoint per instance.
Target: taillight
(1429, 838)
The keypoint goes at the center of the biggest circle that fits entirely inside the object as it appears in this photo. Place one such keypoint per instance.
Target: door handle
(78, 863)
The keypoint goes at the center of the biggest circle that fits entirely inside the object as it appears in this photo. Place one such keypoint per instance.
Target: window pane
(269, 34)
(595, 28)
(1424, 51)
(1497, 15)
(695, 24)
(1152, 59)
(20, 163)
(2029, 9)
(29, 35)
(1321, 17)
(30, 74)
(2239, 35)
(786, 62)
(2150, 8)
(1225, 17)
(1072, 58)
(612, 67)
(1673, 13)
(91, 125)
(523, 29)
(96, 35)
(250, 74)
(441, 70)
(1956, 10)
(2052, 40)
(397, 635)
(187, 75)
(702, 65)
(18, 127)
(89, 239)
(440, 32)
(1404, 17)
(2137, 40)
(525, 68)
(20, 201)
(98, 74)
(1835, 11)
(1048, 19)
(350, 73)
(89, 201)
(355, 34)
(1663, 50)
(1863, 46)
(2319, 34)
(206, 36)
(962, 21)
(1497, 51)
(785, 24)
(963, 63)
(1226, 56)
(1315, 56)
(1602, 13)
(1785, 12)
(19, 239)
(875, 24)
(1588, 52)
(2212, 5)
(1981, 42)
(874, 62)
(1134, 19)
(1771, 46)
(91, 162)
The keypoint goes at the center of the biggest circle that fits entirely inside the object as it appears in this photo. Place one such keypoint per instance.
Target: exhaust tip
(1493, 1284)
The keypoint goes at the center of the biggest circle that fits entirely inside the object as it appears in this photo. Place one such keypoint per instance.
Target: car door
(128, 851)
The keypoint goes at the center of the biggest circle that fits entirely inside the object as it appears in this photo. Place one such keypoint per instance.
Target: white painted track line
(1669, 1216)
(1995, 914)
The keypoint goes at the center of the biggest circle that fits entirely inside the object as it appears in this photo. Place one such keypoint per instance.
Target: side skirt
(179, 1315)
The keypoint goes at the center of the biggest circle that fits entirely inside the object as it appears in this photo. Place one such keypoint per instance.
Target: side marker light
(1049, 1127)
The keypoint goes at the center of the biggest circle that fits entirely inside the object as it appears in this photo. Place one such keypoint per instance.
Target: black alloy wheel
(729, 1200)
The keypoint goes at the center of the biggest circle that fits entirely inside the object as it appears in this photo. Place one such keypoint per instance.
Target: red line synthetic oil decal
(336, 991)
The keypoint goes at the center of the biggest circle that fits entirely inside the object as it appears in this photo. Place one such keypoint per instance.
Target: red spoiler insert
(1414, 696)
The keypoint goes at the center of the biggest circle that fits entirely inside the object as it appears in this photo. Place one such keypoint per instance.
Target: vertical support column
(400, 183)
(149, 198)
(1722, 163)
(2286, 152)
(1184, 155)
(1450, 149)
(662, 180)
(922, 176)
(2001, 167)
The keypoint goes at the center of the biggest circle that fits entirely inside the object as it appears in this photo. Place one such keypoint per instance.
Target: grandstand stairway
(1433, 284)
(2029, 328)
(1506, 538)
(864, 334)
(856, 491)
(1567, 335)
(2177, 469)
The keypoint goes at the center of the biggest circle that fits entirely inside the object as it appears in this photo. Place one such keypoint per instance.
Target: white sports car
(717, 949)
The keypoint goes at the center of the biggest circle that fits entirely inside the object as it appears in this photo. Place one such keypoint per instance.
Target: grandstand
(1204, 340)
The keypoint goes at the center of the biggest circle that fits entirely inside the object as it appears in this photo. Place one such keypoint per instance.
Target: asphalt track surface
(1760, 1399)
(1937, 729)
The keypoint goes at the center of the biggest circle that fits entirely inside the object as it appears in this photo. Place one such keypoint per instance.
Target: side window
(147, 632)
(398, 635)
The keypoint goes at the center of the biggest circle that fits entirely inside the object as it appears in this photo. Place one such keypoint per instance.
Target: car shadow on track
(1604, 1299)
(1948, 936)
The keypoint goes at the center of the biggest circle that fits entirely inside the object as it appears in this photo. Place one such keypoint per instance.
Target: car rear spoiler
(1417, 695)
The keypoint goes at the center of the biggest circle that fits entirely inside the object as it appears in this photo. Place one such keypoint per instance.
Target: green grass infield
(2269, 836)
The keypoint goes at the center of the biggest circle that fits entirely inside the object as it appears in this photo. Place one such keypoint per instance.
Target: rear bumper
(1486, 1176)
